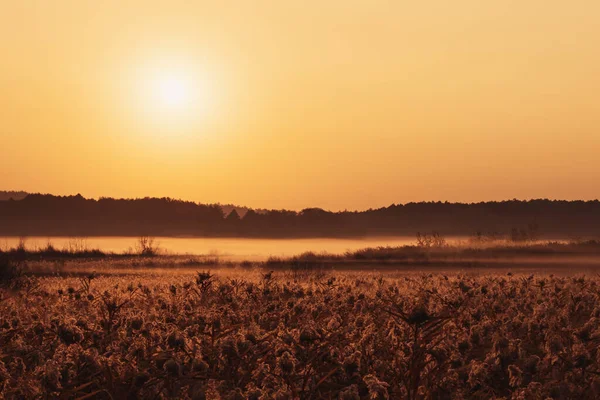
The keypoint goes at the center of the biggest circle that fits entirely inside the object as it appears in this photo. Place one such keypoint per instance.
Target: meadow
(108, 327)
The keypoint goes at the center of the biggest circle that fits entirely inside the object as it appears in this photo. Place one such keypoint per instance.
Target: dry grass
(237, 333)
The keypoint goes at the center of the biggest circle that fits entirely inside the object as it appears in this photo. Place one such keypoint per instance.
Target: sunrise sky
(291, 104)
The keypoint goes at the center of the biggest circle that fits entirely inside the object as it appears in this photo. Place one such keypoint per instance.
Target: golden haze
(338, 104)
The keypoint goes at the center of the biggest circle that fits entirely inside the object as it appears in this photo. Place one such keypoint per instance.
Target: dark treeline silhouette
(7, 195)
(48, 215)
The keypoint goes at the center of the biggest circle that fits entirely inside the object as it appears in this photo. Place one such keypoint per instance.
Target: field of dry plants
(253, 334)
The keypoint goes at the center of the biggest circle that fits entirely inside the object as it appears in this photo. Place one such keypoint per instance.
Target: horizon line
(525, 200)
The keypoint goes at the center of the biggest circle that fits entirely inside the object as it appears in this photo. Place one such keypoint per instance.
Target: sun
(172, 92)
(172, 98)
(175, 93)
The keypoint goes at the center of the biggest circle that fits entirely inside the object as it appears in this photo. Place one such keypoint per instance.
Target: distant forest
(7, 195)
(48, 215)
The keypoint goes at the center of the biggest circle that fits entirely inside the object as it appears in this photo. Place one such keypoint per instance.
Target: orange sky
(338, 104)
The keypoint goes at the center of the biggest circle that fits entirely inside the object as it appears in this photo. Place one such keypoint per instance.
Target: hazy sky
(290, 104)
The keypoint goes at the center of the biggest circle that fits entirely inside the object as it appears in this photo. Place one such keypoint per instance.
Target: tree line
(49, 215)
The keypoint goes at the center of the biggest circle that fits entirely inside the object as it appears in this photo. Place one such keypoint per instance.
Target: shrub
(76, 245)
(147, 246)
(434, 239)
(22, 245)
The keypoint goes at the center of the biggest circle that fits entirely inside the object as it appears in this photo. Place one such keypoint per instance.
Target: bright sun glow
(174, 99)
(173, 92)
